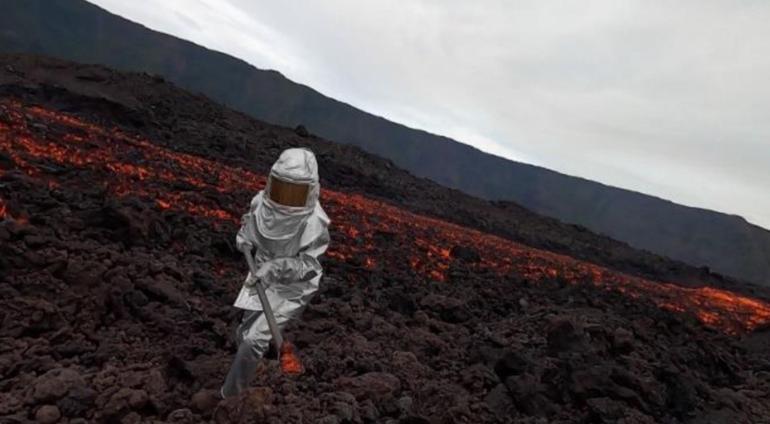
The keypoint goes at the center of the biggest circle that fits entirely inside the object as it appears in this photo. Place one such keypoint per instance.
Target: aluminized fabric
(287, 256)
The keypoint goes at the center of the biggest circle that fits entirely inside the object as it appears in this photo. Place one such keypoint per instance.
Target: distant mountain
(77, 30)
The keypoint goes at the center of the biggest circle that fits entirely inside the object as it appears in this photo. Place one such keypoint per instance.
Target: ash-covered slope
(120, 197)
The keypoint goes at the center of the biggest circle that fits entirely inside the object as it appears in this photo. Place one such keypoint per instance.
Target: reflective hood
(295, 168)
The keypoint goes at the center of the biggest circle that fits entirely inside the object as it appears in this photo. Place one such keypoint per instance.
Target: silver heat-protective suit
(286, 242)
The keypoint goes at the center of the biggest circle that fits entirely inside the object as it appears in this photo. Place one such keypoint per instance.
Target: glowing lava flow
(367, 233)
(290, 363)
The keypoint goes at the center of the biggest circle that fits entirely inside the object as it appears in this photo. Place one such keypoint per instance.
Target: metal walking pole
(266, 308)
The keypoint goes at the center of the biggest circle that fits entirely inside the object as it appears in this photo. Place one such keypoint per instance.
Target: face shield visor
(287, 193)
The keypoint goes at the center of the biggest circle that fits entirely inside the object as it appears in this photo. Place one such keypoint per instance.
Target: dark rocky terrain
(79, 31)
(119, 200)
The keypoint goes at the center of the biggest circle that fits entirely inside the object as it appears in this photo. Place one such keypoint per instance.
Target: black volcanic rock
(563, 334)
(465, 254)
(512, 363)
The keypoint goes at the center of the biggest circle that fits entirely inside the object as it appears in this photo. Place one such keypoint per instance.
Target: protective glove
(251, 284)
(250, 281)
(267, 274)
(268, 271)
(285, 269)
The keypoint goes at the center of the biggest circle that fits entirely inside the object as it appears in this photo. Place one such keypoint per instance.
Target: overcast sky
(669, 98)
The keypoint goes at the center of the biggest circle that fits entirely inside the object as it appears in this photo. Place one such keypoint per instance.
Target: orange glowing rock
(369, 263)
(6, 214)
(290, 363)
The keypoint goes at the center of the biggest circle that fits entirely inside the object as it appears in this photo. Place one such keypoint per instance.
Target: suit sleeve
(305, 265)
(247, 233)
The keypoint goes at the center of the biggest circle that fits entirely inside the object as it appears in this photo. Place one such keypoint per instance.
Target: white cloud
(666, 98)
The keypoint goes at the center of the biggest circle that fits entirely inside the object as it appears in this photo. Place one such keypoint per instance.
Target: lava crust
(118, 269)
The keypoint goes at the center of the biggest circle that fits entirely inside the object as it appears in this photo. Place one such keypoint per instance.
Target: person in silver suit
(286, 231)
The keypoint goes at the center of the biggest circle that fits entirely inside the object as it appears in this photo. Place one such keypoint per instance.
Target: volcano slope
(120, 196)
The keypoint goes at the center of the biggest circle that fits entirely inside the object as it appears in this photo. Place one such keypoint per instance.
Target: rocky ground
(119, 200)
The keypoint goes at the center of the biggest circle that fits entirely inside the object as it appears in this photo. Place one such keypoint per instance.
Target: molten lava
(5, 213)
(290, 363)
(368, 233)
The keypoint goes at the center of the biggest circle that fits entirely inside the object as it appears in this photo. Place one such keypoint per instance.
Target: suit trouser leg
(253, 337)
(248, 355)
